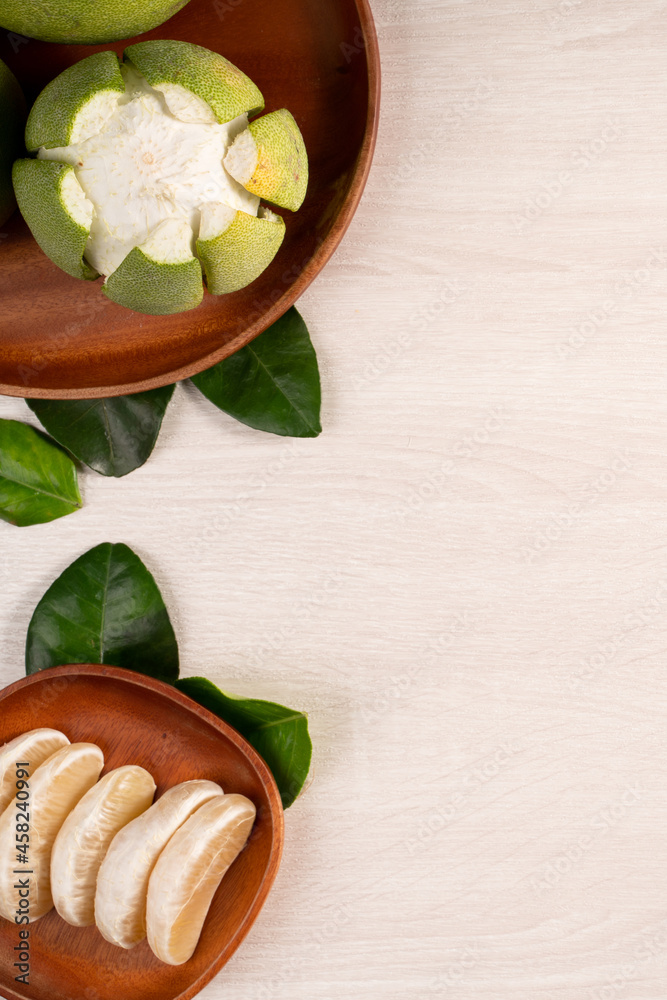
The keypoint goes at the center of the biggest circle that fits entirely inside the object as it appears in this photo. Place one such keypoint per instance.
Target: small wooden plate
(61, 338)
(138, 720)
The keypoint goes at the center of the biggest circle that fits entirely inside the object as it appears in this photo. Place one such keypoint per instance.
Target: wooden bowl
(60, 338)
(138, 720)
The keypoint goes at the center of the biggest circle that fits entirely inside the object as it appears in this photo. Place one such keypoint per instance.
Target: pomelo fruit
(129, 179)
(12, 120)
(188, 872)
(31, 749)
(85, 21)
(56, 787)
(269, 159)
(161, 276)
(122, 882)
(84, 839)
(236, 247)
(57, 211)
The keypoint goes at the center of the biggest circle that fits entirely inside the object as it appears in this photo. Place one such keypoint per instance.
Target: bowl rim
(265, 775)
(322, 254)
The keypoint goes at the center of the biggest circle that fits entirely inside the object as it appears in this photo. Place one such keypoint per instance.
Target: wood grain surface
(464, 580)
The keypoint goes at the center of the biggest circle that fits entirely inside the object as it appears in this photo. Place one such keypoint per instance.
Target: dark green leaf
(38, 481)
(105, 608)
(273, 384)
(280, 735)
(112, 436)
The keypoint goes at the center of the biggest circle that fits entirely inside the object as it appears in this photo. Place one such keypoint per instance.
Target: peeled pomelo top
(131, 177)
(12, 119)
(85, 21)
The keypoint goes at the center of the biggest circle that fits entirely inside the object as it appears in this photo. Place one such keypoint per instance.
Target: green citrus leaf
(105, 608)
(38, 480)
(112, 436)
(280, 735)
(273, 384)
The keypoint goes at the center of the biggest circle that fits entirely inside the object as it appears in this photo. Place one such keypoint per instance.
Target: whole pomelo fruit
(151, 172)
(12, 120)
(85, 21)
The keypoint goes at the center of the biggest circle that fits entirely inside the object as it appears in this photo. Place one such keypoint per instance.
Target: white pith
(141, 165)
(94, 115)
(266, 214)
(241, 160)
(185, 105)
(170, 242)
(74, 200)
(216, 218)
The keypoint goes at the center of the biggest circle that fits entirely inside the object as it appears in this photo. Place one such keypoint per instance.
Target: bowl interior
(136, 720)
(61, 338)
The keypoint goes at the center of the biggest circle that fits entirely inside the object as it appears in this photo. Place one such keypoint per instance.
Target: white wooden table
(464, 580)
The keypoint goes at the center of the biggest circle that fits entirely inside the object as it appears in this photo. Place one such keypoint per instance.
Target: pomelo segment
(59, 215)
(12, 117)
(31, 749)
(269, 159)
(177, 67)
(235, 248)
(85, 21)
(55, 789)
(161, 276)
(85, 836)
(122, 883)
(189, 871)
(76, 104)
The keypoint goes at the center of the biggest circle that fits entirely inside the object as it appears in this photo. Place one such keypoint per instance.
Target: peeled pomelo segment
(55, 789)
(85, 836)
(30, 750)
(12, 119)
(76, 104)
(161, 276)
(235, 248)
(122, 882)
(58, 213)
(181, 68)
(188, 873)
(85, 21)
(269, 159)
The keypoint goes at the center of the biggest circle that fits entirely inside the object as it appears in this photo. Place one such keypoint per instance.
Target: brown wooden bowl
(60, 338)
(138, 720)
